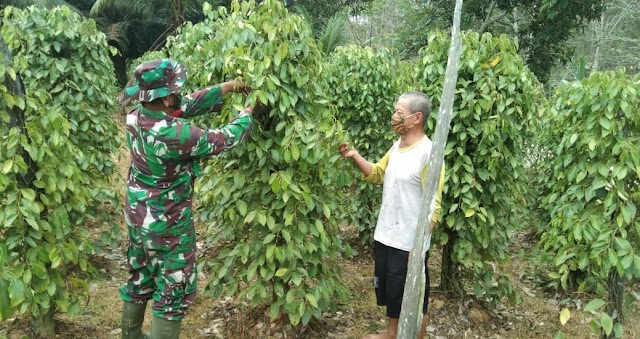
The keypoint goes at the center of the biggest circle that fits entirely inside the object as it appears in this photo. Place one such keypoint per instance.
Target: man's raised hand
(345, 151)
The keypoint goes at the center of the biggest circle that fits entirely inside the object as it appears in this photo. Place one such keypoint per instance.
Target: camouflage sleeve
(202, 101)
(198, 143)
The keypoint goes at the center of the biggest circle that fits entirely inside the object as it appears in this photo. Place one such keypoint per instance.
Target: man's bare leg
(423, 327)
(392, 330)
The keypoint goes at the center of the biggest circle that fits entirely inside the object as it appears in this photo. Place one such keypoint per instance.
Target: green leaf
(274, 309)
(249, 218)
(453, 208)
(595, 327)
(613, 257)
(565, 314)
(319, 226)
(6, 311)
(242, 207)
(275, 80)
(617, 330)
(593, 305)
(623, 244)
(288, 220)
(269, 254)
(469, 213)
(286, 235)
(573, 138)
(16, 292)
(607, 323)
(290, 296)
(281, 272)
(56, 260)
(327, 211)
(8, 165)
(628, 213)
(581, 176)
(620, 172)
(51, 288)
(312, 299)
(269, 238)
(57, 123)
(262, 219)
(295, 152)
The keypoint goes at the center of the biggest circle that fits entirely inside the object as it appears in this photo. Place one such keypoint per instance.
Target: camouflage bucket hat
(157, 79)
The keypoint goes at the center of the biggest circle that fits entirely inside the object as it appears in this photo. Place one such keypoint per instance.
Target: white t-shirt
(401, 195)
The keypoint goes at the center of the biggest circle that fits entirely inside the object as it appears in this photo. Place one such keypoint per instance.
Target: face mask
(397, 123)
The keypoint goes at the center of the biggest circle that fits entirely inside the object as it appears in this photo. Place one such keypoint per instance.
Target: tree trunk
(450, 275)
(15, 87)
(616, 300)
(120, 66)
(43, 325)
(596, 55)
(16, 115)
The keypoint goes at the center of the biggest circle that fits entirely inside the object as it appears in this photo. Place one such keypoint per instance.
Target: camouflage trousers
(161, 262)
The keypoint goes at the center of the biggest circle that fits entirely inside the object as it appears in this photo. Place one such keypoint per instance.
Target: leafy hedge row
(56, 165)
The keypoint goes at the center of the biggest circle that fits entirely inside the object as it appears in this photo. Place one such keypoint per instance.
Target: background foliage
(70, 137)
(364, 85)
(541, 27)
(496, 99)
(270, 203)
(593, 191)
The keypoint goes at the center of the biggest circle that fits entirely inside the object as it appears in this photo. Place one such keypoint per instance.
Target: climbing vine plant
(270, 203)
(58, 138)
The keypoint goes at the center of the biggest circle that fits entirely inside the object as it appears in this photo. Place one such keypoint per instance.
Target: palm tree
(40, 3)
(130, 26)
(334, 33)
(331, 34)
(135, 27)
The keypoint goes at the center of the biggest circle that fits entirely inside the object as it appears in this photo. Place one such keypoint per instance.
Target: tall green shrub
(269, 203)
(496, 98)
(364, 85)
(70, 137)
(594, 191)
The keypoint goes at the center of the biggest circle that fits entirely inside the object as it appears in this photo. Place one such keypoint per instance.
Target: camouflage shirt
(164, 150)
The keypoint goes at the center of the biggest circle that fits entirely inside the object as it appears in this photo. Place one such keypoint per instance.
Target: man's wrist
(227, 87)
(356, 157)
(244, 113)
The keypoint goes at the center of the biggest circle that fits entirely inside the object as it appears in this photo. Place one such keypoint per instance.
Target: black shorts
(390, 273)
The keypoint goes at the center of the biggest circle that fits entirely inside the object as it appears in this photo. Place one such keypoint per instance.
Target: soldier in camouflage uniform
(164, 149)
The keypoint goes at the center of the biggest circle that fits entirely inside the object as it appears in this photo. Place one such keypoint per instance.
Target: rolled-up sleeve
(423, 177)
(202, 101)
(377, 174)
(195, 143)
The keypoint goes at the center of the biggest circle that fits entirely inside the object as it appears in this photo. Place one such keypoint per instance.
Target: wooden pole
(411, 313)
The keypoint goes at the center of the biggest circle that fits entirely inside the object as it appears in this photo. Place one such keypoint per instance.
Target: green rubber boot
(132, 318)
(165, 329)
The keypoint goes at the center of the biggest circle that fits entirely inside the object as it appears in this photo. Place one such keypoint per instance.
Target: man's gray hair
(418, 102)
